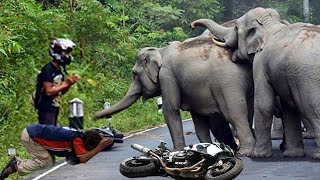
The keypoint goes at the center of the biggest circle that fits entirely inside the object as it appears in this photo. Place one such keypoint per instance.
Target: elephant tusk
(218, 43)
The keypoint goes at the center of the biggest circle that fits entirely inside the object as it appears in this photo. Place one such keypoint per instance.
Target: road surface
(105, 165)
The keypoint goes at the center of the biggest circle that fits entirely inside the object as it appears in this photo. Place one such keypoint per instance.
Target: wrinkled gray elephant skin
(277, 130)
(286, 63)
(199, 77)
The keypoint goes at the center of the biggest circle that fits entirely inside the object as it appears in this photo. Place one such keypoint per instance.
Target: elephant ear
(153, 64)
(256, 37)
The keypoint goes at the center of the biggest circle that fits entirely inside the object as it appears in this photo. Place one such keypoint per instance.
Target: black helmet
(60, 48)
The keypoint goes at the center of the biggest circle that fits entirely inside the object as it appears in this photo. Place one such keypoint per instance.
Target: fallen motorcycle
(199, 161)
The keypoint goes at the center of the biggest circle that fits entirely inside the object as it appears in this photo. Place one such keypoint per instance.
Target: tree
(306, 13)
(190, 11)
(228, 10)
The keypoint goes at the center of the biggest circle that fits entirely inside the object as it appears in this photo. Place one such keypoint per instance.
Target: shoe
(10, 168)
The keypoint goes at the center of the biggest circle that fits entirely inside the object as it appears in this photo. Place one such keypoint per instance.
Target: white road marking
(141, 132)
(49, 171)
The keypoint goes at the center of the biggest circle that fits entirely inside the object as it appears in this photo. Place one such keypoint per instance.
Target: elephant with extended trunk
(199, 77)
(286, 63)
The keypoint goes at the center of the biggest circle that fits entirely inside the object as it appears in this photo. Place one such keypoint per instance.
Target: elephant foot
(316, 156)
(242, 152)
(265, 153)
(308, 135)
(276, 135)
(293, 153)
(179, 147)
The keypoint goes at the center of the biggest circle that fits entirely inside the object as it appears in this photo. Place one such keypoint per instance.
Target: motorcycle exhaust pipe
(184, 172)
(148, 152)
(187, 172)
(140, 148)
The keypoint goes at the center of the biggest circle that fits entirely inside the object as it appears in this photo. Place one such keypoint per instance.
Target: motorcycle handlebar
(117, 140)
(140, 148)
(118, 135)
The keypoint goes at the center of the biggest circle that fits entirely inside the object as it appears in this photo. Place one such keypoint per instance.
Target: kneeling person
(44, 142)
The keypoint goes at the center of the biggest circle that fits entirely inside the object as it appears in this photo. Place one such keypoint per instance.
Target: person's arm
(64, 87)
(104, 143)
(75, 78)
(51, 90)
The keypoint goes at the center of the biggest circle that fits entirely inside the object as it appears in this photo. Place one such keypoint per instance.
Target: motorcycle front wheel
(139, 167)
(230, 169)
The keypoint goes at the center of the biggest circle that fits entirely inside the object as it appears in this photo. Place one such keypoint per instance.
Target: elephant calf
(196, 76)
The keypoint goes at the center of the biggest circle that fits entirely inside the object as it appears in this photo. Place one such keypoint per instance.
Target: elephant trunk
(132, 95)
(225, 34)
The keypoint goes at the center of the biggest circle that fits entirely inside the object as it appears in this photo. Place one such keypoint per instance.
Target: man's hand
(73, 79)
(104, 143)
(76, 77)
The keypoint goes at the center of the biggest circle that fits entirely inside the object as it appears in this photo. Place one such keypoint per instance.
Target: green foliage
(290, 10)
(108, 34)
(190, 11)
(107, 41)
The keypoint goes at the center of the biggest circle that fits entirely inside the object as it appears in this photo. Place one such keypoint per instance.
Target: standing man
(50, 81)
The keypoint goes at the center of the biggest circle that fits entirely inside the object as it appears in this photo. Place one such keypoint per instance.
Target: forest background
(108, 35)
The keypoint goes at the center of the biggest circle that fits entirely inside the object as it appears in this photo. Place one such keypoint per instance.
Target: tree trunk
(123, 12)
(228, 10)
(315, 11)
(306, 12)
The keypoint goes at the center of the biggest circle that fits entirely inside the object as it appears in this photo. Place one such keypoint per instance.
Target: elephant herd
(232, 73)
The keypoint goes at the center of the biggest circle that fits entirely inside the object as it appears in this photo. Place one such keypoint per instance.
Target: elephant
(277, 129)
(199, 77)
(285, 60)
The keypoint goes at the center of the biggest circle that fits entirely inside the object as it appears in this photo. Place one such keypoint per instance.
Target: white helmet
(60, 48)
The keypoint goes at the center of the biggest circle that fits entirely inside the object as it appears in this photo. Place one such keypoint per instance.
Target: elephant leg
(221, 130)
(309, 133)
(293, 135)
(282, 145)
(171, 108)
(236, 112)
(250, 113)
(174, 124)
(201, 125)
(264, 102)
(277, 129)
(316, 127)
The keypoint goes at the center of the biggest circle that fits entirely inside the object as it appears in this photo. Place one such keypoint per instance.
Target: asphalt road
(105, 165)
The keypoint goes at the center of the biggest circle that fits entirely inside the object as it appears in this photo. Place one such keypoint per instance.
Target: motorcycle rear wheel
(231, 168)
(135, 167)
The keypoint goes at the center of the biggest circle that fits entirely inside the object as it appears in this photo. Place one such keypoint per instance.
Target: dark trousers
(46, 117)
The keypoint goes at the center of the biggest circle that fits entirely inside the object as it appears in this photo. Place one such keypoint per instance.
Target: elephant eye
(251, 31)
